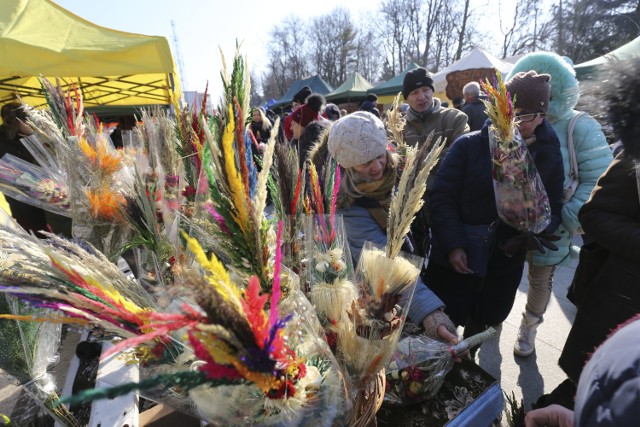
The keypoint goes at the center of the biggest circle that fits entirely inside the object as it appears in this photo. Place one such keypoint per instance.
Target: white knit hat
(356, 139)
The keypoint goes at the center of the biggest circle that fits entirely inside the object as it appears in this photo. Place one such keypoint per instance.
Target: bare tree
(520, 31)
(333, 45)
(255, 98)
(463, 29)
(432, 33)
(424, 32)
(368, 48)
(287, 59)
(393, 24)
(591, 28)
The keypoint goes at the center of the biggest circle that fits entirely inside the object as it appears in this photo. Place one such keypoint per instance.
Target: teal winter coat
(593, 154)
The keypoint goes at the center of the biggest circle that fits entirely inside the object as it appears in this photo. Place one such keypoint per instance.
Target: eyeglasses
(529, 117)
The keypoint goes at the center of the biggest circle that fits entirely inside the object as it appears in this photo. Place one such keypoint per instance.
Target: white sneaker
(526, 342)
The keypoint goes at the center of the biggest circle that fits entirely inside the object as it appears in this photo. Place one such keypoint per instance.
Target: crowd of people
(590, 194)
(476, 260)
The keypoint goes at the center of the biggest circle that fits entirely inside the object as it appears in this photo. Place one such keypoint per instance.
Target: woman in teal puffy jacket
(593, 156)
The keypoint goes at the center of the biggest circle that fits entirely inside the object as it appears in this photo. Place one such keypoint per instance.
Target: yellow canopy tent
(109, 67)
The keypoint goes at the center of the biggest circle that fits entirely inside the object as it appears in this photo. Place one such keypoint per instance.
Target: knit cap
(357, 139)
(531, 91)
(307, 113)
(418, 77)
(332, 112)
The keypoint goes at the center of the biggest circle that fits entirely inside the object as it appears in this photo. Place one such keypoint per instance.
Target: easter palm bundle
(330, 270)
(386, 279)
(521, 199)
(420, 365)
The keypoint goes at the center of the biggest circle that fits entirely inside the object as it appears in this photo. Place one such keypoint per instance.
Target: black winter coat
(611, 217)
(463, 189)
(475, 110)
(463, 194)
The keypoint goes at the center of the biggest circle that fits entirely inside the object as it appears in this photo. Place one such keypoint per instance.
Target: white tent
(478, 58)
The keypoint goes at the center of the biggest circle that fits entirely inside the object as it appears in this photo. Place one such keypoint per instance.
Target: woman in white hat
(358, 142)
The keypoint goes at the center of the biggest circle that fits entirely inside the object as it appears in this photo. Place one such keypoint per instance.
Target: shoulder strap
(573, 162)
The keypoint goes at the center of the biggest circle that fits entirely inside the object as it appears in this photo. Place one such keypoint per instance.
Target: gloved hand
(529, 241)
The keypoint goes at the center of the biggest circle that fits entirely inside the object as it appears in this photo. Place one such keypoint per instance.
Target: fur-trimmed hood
(319, 151)
(620, 90)
(565, 91)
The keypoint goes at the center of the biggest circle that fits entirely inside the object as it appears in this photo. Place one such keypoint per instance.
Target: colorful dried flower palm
(499, 107)
(287, 188)
(237, 339)
(81, 284)
(238, 196)
(521, 198)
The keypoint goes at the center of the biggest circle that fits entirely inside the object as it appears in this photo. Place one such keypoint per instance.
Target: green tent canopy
(353, 89)
(315, 83)
(109, 67)
(590, 69)
(391, 87)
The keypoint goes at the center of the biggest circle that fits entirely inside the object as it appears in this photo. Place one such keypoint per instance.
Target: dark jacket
(475, 110)
(261, 135)
(611, 217)
(610, 384)
(310, 136)
(463, 190)
(463, 194)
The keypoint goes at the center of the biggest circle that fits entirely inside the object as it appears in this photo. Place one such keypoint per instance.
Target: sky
(202, 26)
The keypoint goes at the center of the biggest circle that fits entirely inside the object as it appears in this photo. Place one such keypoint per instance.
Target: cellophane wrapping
(521, 198)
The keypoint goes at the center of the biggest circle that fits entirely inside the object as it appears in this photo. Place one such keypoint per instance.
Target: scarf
(376, 196)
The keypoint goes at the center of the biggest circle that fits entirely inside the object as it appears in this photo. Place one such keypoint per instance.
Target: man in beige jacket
(425, 115)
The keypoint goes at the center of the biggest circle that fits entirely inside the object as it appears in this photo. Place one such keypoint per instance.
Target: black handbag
(593, 258)
(480, 240)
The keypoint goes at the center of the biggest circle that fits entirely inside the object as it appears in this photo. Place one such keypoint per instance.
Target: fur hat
(357, 139)
(565, 91)
(418, 77)
(620, 92)
(306, 113)
(301, 96)
(531, 91)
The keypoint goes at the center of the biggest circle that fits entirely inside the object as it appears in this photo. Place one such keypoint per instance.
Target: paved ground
(527, 378)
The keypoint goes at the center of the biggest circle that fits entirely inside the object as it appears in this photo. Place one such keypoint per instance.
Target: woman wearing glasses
(463, 199)
(591, 156)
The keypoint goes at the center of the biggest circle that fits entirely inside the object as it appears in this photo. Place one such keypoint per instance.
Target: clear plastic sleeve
(420, 365)
(521, 199)
(27, 350)
(31, 184)
(321, 397)
(369, 333)
(330, 274)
